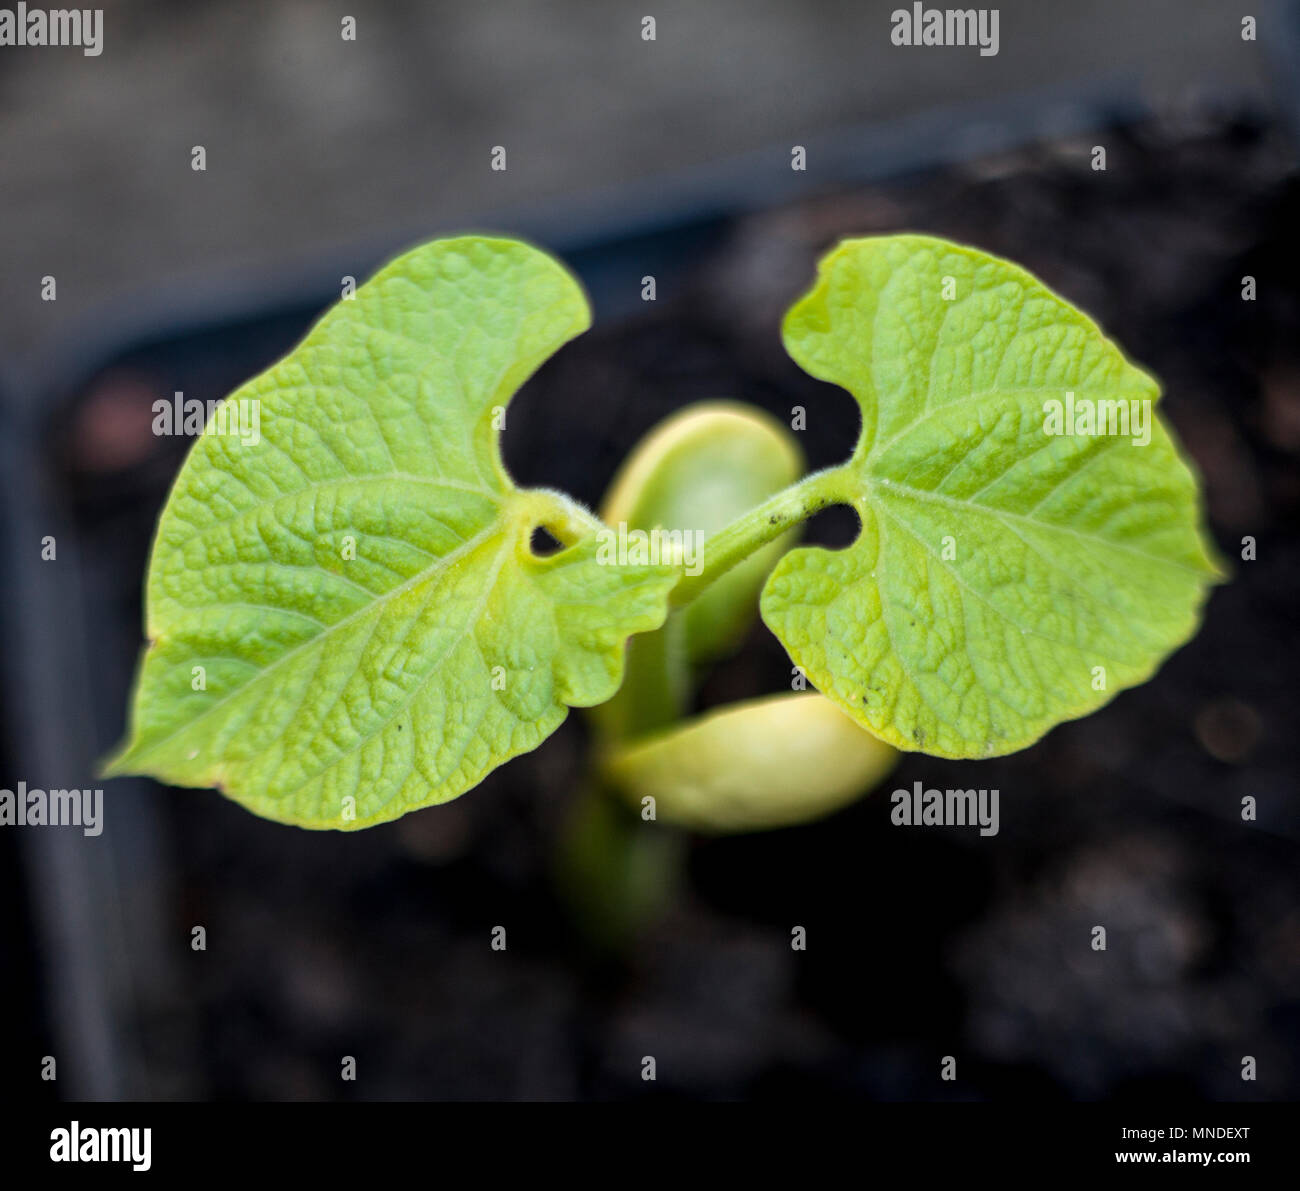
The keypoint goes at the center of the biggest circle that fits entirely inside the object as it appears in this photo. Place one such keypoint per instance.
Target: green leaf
(358, 588)
(1005, 579)
(770, 762)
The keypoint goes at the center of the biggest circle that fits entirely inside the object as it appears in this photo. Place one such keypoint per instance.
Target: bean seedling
(349, 620)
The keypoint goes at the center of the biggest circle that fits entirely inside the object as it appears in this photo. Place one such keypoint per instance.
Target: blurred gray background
(313, 142)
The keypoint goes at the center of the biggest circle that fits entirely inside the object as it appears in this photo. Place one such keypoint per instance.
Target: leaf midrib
(499, 525)
(876, 485)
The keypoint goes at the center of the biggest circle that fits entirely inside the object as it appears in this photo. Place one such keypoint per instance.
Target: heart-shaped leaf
(347, 620)
(1015, 567)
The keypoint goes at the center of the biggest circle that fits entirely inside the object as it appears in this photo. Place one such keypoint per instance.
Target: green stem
(570, 522)
(617, 872)
(763, 524)
(656, 688)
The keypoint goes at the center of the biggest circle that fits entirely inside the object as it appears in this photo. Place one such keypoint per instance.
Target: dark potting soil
(921, 944)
